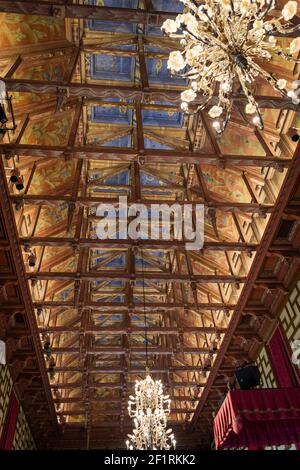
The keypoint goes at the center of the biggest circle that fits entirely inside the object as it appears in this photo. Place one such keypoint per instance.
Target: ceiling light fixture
(225, 46)
(149, 408)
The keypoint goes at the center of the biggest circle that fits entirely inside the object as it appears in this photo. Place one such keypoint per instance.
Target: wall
(290, 315)
(23, 439)
(5, 389)
(263, 363)
(289, 318)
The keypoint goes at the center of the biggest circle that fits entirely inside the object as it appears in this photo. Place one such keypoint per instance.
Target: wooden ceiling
(98, 117)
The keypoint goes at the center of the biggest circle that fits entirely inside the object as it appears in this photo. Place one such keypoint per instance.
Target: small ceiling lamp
(32, 260)
(14, 175)
(3, 117)
(20, 183)
(51, 367)
(228, 42)
(293, 134)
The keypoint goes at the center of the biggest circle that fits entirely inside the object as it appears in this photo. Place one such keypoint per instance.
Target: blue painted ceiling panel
(121, 27)
(112, 68)
(120, 115)
(120, 178)
(152, 144)
(158, 118)
(168, 5)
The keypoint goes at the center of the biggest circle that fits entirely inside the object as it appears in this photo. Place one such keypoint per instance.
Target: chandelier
(224, 47)
(149, 408)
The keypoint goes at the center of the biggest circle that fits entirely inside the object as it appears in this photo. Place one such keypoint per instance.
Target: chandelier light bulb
(216, 125)
(256, 121)
(294, 85)
(225, 46)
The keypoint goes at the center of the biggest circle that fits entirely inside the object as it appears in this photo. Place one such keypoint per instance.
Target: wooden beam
(86, 12)
(92, 201)
(116, 385)
(159, 276)
(139, 128)
(120, 370)
(132, 330)
(134, 92)
(113, 412)
(94, 399)
(142, 63)
(114, 350)
(155, 308)
(149, 155)
(124, 244)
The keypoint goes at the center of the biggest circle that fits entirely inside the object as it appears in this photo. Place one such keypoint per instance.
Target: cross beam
(90, 201)
(114, 350)
(86, 12)
(113, 412)
(119, 330)
(148, 156)
(135, 370)
(161, 276)
(133, 92)
(115, 385)
(154, 308)
(113, 400)
(124, 244)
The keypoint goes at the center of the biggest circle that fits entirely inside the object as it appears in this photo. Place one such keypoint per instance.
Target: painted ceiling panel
(20, 30)
(54, 176)
(152, 144)
(112, 68)
(120, 115)
(168, 5)
(116, 27)
(52, 130)
(225, 184)
(121, 142)
(45, 71)
(238, 141)
(162, 118)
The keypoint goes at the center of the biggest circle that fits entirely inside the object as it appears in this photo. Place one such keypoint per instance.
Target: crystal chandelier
(150, 409)
(224, 46)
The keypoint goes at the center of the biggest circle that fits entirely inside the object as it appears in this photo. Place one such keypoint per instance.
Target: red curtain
(10, 423)
(280, 357)
(255, 419)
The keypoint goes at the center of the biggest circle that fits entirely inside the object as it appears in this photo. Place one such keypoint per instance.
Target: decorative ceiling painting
(52, 130)
(26, 30)
(98, 116)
